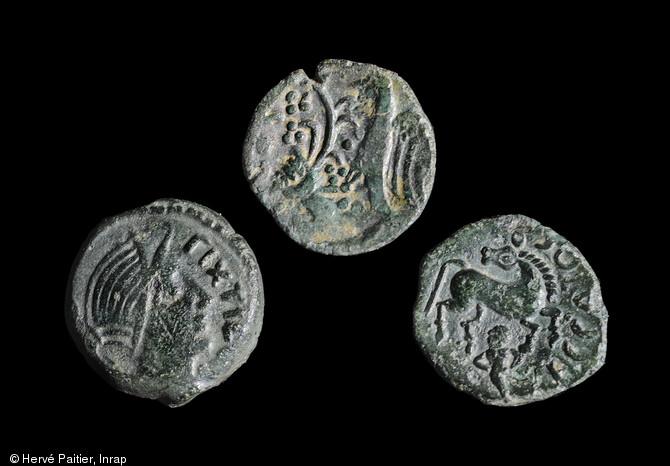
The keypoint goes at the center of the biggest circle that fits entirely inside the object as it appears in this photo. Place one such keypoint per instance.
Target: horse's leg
(526, 346)
(494, 374)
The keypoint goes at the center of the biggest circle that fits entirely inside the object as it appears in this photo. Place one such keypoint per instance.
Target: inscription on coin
(166, 300)
(345, 162)
(510, 312)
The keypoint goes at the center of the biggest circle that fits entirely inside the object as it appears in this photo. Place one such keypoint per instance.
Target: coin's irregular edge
(430, 273)
(394, 226)
(243, 348)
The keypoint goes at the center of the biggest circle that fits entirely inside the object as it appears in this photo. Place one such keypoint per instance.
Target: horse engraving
(510, 312)
(517, 299)
(526, 296)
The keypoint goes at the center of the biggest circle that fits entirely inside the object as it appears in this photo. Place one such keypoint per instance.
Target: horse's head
(504, 257)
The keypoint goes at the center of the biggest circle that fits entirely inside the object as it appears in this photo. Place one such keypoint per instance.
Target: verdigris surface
(166, 300)
(345, 162)
(510, 312)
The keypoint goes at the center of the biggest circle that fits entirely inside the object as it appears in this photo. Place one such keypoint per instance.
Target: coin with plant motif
(344, 162)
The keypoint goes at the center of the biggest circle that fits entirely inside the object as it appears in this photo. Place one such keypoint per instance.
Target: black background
(526, 121)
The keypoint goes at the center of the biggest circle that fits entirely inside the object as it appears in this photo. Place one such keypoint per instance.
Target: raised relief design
(167, 299)
(347, 151)
(124, 289)
(518, 314)
(135, 291)
(330, 163)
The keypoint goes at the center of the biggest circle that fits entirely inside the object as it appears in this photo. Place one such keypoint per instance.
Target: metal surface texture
(344, 162)
(510, 312)
(166, 300)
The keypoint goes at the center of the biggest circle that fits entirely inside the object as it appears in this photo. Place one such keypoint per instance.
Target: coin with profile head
(166, 300)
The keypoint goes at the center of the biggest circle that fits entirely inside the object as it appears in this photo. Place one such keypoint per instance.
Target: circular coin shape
(345, 162)
(510, 312)
(166, 300)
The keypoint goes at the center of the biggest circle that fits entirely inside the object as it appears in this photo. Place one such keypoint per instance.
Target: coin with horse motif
(344, 162)
(166, 300)
(510, 312)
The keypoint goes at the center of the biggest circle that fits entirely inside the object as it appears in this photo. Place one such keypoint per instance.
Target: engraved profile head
(128, 290)
(165, 300)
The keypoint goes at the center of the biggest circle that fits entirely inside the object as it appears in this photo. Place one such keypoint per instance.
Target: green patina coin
(166, 300)
(344, 162)
(510, 312)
